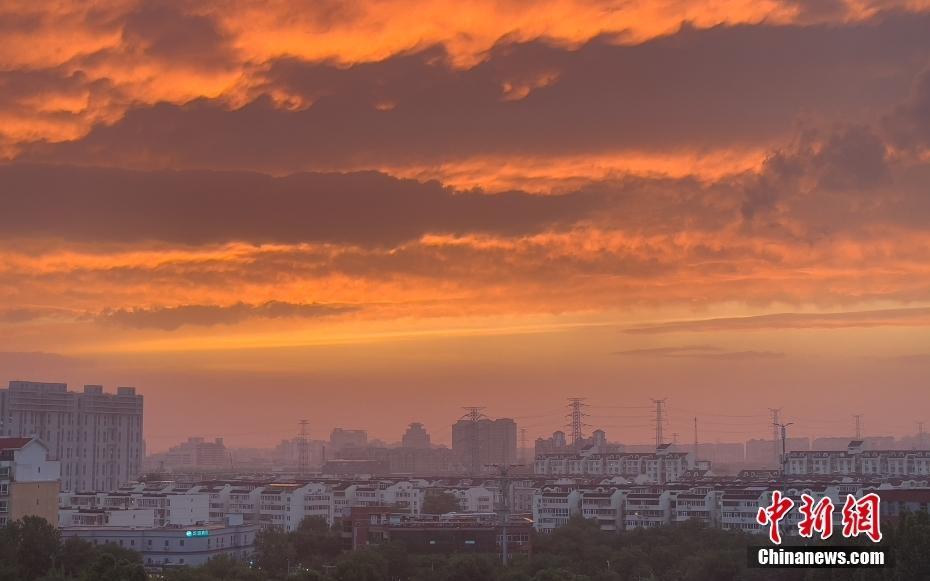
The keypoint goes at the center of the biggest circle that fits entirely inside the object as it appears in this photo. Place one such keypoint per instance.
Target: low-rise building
(166, 547)
(29, 481)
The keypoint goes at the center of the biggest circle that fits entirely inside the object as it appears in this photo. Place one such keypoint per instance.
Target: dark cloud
(195, 207)
(909, 124)
(700, 352)
(165, 31)
(171, 318)
(917, 316)
(16, 315)
(819, 10)
(850, 160)
(727, 86)
(683, 351)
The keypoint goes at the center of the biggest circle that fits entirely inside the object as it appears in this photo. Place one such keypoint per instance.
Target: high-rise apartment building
(96, 436)
(194, 454)
(416, 436)
(478, 443)
(341, 438)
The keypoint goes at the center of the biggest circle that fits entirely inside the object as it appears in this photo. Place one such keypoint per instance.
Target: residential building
(416, 436)
(96, 436)
(194, 454)
(480, 443)
(341, 438)
(169, 506)
(663, 465)
(29, 481)
(857, 460)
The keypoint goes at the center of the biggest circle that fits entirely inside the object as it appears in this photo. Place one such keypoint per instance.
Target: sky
(366, 213)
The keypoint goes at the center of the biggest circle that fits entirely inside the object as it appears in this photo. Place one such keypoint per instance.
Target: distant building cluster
(194, 454)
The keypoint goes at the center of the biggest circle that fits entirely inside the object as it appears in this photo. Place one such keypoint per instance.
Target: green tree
(75, 556)
(114, 566)
(274, 552)
(37, 544)
(315, 542)
(367, 565)
(470, 568)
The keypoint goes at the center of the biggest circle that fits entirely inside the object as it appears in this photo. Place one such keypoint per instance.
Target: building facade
(168, 547)
(477, 444)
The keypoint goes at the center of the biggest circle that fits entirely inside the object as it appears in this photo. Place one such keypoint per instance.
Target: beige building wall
(34, 499)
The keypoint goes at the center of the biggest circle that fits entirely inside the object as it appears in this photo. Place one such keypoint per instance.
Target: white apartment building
(661, 466)
(606, 507)
(701, 504)
(474, 498)
(286, 505)
(856, 461)
(647, 509)
(738, 508)
(169, 507)
(553, 508)
(96, 436)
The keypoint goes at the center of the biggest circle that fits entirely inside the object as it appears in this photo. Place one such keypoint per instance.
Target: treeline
(32, 550)
(579, 551)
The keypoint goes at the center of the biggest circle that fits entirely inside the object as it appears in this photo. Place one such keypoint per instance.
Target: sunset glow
(467, 202)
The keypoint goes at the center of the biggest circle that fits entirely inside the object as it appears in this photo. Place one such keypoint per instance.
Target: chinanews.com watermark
(860, 517)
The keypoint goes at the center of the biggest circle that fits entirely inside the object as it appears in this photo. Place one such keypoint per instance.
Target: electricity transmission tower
(576, 418)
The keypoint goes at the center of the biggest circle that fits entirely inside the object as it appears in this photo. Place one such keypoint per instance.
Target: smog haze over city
(365, 214)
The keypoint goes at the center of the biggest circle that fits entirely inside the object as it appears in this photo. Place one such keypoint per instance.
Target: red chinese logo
(817, 517)
(772, 515)
(861, 516)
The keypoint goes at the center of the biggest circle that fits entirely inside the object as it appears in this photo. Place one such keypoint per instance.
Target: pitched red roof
(13, 443)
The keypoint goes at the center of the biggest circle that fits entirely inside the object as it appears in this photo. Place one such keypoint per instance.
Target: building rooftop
(13, 443)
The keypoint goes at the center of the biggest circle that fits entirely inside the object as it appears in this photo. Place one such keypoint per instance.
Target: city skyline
(626, 424)
(378, 213)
